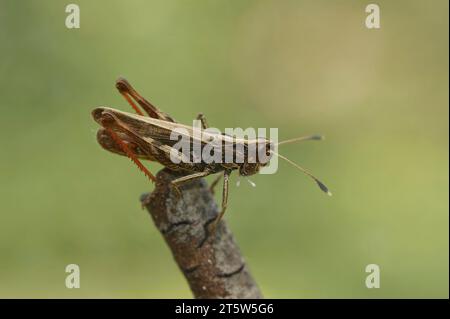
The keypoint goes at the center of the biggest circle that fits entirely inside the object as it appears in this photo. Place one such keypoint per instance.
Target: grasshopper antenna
(315, 137)
(319, 183)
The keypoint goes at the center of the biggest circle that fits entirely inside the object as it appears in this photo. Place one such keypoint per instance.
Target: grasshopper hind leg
(129, 93)
(129, 153)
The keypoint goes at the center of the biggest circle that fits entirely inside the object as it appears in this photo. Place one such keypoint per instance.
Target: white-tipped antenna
(302, 138)
(319, 183)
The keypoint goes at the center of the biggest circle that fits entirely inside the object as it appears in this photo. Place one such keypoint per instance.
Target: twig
(211, 263)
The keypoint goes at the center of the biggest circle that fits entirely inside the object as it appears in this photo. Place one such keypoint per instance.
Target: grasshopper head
(253, 163)
(247, 169)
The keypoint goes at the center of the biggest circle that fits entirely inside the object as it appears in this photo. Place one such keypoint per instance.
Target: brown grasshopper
(148, 138)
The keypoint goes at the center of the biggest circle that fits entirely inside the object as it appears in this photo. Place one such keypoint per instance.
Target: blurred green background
(379, 96)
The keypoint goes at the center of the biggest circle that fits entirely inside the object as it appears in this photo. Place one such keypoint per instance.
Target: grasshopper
(147, 137)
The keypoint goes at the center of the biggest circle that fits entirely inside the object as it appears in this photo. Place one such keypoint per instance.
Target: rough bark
(211, 262)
